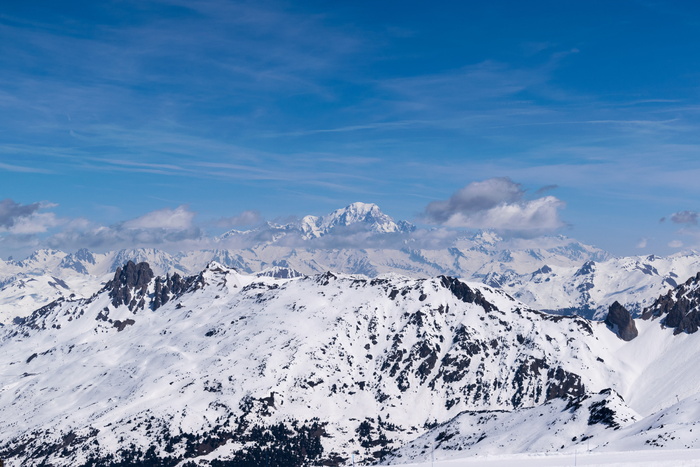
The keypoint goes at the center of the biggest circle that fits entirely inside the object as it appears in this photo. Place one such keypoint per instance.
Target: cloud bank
(497, 204)
(25, 219)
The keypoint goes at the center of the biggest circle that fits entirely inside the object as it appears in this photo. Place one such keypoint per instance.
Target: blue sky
(210, 111)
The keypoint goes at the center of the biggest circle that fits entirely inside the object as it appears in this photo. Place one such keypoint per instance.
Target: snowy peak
(358, 215)
(236, 368)
(78, 261)
(361, 216)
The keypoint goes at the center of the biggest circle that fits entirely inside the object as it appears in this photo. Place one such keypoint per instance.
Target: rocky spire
(130, 284)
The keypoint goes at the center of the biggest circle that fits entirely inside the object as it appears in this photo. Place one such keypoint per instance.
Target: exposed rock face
(464, 293)
(680, 307)
(621, 322)
(279, 272)
(169, 287)
(129, 285)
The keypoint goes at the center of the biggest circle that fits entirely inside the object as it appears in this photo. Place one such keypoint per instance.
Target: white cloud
(243, 219)
(171, 219)
(675, 244)
(164, 228)
(499, 204)
(25, 219)
(39, 222)
(642, 243)
(11, 212)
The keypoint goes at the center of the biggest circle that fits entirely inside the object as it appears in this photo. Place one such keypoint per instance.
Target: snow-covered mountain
(358, 217)
(589, 288)
(47, 275)
(226, 367)
(556, 273)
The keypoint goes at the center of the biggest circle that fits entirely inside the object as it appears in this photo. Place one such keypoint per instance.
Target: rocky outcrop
(463, 292)
(679, 308)
(620, 321)
(169, 287)
(130, 285)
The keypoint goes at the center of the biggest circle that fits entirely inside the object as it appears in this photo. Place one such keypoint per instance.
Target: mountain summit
(356, 217)
(365, 216)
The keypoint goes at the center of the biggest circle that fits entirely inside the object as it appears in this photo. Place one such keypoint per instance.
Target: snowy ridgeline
(560, 275)
(227, 367)
(556, 274)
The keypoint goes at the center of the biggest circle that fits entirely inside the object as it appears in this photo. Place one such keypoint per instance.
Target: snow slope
(665, 458)
(223, 365)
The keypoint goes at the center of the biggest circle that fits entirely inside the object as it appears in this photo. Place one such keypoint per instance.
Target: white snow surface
(665, 458)
(390, 363)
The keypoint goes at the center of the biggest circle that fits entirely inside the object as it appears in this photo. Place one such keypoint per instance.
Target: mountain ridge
(313, 368)
(556, 274)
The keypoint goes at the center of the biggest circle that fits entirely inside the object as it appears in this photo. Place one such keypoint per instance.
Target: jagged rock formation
(620, 322)
(129, 285)
(280, 272)
(679, 308)
(170, 286)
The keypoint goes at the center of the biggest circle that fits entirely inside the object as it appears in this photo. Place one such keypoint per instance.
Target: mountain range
(555, 273)
(225, 368)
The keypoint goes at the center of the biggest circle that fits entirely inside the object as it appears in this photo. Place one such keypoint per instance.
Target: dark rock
(679, 308)
(620, 322)
(169, 288)
(326, 278)
(543, 270)
(587, 268)
(563, 384)
(120, 325)
(130, 283)
(464, 293)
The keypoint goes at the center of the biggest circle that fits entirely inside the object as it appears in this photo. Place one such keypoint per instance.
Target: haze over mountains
(552, 273)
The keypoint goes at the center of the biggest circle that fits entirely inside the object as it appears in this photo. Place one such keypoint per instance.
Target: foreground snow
(230, 366)
(665, 458)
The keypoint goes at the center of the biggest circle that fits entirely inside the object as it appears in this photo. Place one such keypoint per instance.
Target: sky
(173, 120)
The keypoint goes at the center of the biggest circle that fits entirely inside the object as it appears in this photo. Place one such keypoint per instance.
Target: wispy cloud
(23, 169)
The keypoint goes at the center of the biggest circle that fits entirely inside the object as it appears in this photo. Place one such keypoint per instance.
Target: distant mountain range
(557, 274)
(224, 368)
